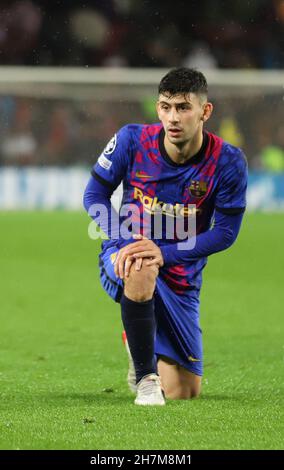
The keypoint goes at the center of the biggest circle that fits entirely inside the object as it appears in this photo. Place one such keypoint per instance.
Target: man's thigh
(179, 336)
(109, 281)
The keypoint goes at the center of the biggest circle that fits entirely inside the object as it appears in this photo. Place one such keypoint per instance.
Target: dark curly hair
(183, 80)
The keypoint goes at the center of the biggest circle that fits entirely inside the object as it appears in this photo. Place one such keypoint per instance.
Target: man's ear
(207, 111)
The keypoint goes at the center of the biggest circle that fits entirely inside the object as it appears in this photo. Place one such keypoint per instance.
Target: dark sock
(138, 319)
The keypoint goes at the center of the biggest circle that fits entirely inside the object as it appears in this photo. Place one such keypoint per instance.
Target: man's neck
(183, 153)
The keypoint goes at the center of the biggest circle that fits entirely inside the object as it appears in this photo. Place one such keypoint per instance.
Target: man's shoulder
(229, 153)
(138, 130)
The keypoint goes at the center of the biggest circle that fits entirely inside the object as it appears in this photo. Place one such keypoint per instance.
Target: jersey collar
(197, 158)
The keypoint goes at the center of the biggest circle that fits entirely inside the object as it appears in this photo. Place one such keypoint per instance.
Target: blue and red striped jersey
(214, 179)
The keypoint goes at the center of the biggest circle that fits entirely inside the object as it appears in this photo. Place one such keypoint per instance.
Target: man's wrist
(168, 253)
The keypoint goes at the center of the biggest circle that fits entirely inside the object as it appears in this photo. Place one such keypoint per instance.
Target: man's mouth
(174, 131)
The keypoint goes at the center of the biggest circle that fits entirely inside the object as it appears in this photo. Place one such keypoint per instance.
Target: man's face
(182, 116)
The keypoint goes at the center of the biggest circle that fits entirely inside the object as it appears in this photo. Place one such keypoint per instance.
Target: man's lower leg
(139, 322)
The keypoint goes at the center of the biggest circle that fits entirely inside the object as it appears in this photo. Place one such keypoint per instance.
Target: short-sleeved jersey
(214, 179)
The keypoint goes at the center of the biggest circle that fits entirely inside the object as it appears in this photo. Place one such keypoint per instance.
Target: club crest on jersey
(198, 188)
(110, 146)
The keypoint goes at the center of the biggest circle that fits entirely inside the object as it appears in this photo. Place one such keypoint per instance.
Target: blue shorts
(178, 335)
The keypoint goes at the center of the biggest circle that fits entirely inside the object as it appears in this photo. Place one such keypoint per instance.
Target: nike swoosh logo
(113, 257)
(141, 175)
(190, 358)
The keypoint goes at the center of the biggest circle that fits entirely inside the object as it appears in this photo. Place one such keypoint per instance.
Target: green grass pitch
(63, 366)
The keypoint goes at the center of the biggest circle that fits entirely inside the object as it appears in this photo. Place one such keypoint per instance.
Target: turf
(63, 367)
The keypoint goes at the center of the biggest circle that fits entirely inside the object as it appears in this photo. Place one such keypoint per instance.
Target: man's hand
(135, 252)
(128, 263)
(124, 262)
(145, 248)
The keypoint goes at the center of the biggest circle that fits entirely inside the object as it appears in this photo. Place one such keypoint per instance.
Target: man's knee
(183, 393)
(140, 285)
(178, 383)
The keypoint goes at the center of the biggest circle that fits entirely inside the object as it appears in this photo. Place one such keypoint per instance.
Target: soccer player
(165, 169)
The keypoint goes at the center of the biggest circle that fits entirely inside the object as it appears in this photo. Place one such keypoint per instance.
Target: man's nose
(173, 117)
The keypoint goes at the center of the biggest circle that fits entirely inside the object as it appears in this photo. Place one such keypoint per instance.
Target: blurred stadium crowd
(143, 33)
(58, 132)
(206, 34)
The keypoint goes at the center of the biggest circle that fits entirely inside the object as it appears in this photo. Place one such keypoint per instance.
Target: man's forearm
(220, 237)
(97, 195)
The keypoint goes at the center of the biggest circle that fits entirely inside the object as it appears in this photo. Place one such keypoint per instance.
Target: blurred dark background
(207, 34)
(143, 33)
